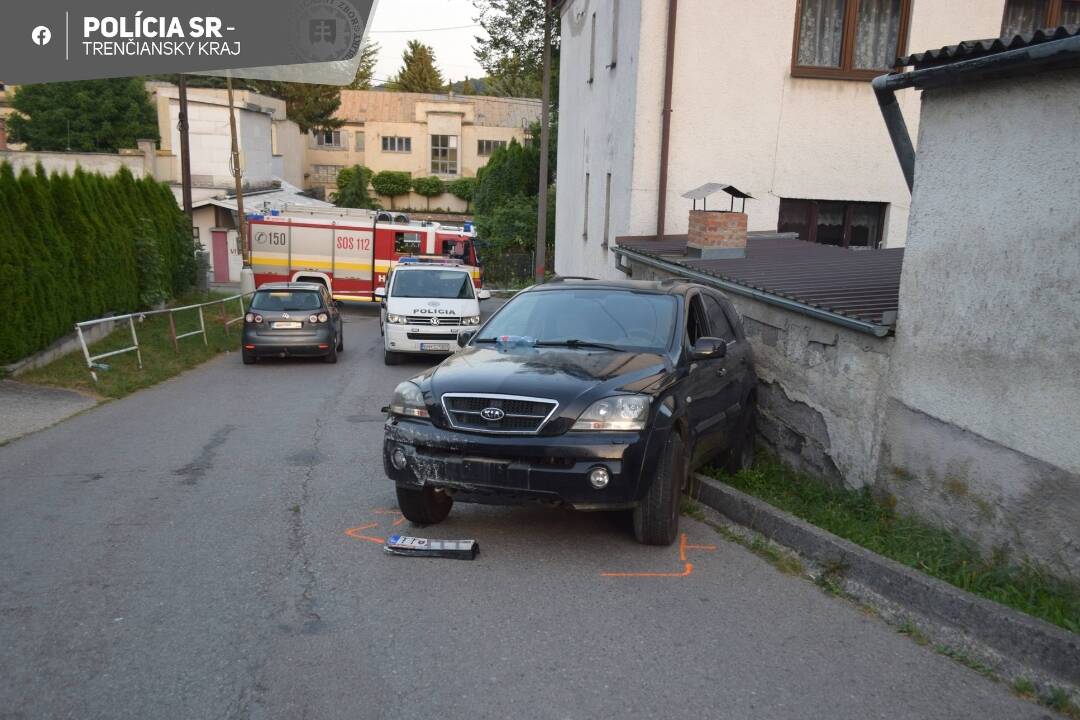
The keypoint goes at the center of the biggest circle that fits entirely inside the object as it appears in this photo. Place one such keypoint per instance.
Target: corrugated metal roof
(977, 48)
(860, 284)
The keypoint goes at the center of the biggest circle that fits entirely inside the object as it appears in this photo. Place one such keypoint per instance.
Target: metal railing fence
(222, 316)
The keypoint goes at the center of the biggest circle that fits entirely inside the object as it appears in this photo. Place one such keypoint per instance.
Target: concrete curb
(1025, 639)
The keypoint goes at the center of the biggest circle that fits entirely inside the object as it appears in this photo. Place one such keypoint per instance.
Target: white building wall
(738, 115)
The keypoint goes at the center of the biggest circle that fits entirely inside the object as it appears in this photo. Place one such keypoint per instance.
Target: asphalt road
(198, 550)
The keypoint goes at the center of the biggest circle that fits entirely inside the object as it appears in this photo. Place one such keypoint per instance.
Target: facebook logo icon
(41, 35)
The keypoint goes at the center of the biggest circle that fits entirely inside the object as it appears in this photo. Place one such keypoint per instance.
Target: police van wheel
(424, 507)
(391, 358)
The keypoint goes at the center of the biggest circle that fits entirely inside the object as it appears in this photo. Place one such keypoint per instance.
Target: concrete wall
(288, 147)
(738, 116)
(821, 389)
(104, 163)
(983, 422)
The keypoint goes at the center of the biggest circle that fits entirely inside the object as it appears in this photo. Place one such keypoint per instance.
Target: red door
(220, 244)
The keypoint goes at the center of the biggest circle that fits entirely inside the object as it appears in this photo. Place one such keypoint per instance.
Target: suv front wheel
(426, 506)
(656, 518)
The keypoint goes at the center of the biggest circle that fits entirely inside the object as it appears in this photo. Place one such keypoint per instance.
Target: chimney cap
(700, 193)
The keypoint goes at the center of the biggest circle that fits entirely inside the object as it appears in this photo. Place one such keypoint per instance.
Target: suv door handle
(722, 372)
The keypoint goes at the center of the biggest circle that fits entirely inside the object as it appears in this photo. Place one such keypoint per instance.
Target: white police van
(425, 305)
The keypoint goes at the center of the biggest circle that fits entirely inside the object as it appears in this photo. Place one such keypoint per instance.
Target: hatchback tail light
(253, 318)
(313, 319)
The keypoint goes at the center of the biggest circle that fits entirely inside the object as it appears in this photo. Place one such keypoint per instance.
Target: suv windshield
(446, 284)
(281, 300)
(621, 318)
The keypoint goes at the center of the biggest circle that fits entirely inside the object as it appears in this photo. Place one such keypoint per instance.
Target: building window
(834, 222)
(328, 138)
(585, 221)
(1022, 16)
(359, 140)
(325, 173)
(614, 33)
(391, 143)
(444, 154)
(848, 39)
(486, 147)
(592, 48)
(607, 211)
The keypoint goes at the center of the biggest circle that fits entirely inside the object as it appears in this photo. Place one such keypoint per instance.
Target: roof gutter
(760, 295)
(1021, 61)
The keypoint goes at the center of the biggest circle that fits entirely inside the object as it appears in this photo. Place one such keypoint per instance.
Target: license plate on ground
(434, 346)
(286, 325)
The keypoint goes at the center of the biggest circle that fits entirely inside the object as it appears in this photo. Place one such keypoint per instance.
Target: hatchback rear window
(282, 300)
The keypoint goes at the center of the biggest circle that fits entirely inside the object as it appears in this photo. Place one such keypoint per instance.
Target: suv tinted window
(626, 319)
(697, 324)
(718, 321)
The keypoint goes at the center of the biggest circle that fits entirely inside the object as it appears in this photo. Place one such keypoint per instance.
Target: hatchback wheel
(331, 357)
(424, 507)
(248, 358)
(656, 518)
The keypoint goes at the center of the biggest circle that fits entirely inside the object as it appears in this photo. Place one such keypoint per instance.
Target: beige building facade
(451, 136)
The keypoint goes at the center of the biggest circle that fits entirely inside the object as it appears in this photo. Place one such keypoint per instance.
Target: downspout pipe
(1052, 55)
(665, 119)
(897, 127)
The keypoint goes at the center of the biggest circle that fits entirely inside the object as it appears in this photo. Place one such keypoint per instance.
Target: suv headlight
(470, 320)
(621, 412)
(408, 401)
(396, 319)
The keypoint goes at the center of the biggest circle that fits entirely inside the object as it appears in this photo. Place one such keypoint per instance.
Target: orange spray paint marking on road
(399, 521)
(356, 533)
(688, 568)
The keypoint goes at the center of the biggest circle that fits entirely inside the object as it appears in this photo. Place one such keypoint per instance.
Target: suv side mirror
(483, 294)
(463, 338)
(380, 292)
(708, 348)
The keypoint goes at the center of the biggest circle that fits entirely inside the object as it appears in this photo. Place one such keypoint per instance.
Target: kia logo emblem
(492, 414)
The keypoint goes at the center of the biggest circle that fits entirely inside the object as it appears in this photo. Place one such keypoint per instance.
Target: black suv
(593, 394)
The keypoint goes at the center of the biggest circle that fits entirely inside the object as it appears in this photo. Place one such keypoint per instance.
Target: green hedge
(73, 247)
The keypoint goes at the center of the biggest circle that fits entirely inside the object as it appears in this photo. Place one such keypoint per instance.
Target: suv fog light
(599, 478)
(398, 459)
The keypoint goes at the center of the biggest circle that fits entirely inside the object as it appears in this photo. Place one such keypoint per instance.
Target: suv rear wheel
(656, 518)
(424, 507)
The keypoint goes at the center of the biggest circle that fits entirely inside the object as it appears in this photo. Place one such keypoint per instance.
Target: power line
(425, 30)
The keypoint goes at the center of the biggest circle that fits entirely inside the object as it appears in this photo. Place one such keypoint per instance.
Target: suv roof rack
(562, 278)
(676, 279)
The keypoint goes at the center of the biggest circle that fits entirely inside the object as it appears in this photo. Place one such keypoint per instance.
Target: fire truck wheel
(331, 357)
(249, 358)
(424, 507)
(391, 358)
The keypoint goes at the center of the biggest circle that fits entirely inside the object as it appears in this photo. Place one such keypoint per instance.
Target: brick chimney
(716, 234)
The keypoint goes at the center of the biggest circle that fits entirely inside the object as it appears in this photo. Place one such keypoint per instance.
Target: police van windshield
(444, 284)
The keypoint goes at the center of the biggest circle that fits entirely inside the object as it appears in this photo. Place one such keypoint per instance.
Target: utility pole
(238, 178)
(185, 150)
(545, 122)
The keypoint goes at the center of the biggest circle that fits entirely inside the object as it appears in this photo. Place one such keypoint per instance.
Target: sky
(398, 21)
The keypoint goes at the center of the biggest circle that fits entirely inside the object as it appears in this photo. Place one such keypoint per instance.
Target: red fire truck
(348, 250)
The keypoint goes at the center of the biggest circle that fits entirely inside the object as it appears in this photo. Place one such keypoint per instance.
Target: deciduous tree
(391, 184)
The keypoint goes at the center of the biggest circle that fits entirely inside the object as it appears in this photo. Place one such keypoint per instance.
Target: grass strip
(856, 516)
(160, 361)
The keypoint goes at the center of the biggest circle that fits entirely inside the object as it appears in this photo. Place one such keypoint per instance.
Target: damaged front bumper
(500, 469)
